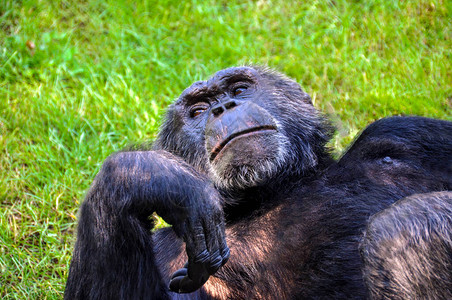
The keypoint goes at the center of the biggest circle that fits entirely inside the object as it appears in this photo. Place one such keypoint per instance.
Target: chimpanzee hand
(188, 201)
(206, 249)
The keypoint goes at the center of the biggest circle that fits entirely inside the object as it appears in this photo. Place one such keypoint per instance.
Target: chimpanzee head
(244, 127)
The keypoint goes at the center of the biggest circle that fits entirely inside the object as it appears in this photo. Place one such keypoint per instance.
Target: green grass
(101, 73)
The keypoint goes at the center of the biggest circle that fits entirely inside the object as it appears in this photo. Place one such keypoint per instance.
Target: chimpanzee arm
(113, 256)
(407, 249)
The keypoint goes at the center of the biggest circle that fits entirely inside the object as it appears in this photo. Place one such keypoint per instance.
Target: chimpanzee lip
(217, 149)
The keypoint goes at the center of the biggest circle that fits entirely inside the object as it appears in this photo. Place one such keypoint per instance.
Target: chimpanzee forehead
(231, 73)
(217, 83)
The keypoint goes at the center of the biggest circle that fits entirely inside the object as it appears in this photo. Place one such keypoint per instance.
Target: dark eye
(196, 111)
(239, 90)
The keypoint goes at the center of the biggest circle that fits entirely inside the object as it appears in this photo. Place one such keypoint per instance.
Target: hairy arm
(113, 256)
(407, 249)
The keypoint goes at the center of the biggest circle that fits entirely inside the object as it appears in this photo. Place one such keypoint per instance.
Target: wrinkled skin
(259, 209)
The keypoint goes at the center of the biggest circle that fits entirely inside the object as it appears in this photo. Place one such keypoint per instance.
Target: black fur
(407, 249)
(294, 217)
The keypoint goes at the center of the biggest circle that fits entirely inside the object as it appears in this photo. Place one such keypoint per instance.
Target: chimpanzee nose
(221, 107)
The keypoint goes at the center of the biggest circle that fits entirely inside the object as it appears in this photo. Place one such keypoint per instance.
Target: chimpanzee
(260, 210)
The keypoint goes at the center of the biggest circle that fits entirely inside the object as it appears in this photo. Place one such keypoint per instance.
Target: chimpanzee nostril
(230, 104)
(221, 107)
(218, 110)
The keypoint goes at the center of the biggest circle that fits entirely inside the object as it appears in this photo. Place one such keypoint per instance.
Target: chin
(249, 160)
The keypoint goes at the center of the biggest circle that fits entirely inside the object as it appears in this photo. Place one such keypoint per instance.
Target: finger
(183, 284)
(195, 240)
(217, 245)
(225, 253)
(181, 272)
(175, 284)
(224, 249)
(214, 262)
(202, 257)
(214, 234)
(197, 271)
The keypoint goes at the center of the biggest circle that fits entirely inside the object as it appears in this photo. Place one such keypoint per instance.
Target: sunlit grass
(81, 79)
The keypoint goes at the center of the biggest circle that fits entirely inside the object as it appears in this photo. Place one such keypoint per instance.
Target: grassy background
(81, 79)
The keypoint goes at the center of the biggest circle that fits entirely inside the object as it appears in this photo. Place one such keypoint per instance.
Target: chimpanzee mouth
(260, 129)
